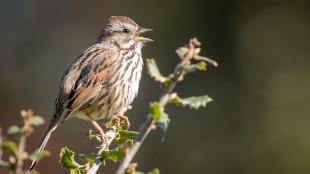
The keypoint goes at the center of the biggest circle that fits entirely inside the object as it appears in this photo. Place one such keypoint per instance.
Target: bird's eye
(125, 30)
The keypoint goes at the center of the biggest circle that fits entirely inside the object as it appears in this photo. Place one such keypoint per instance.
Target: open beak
(143, 39)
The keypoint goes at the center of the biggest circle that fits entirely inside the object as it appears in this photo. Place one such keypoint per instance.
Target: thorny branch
(186, 55)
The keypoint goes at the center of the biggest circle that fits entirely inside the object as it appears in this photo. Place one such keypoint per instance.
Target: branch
(17, 154)
(186, 54)
(20, 153)
(114, 132)
(27, 129)
(145, 129)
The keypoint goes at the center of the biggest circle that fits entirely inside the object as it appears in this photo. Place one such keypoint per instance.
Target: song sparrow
(103, 81)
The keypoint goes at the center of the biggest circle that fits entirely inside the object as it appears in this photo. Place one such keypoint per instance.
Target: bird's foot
(119, 118)
(101, 133)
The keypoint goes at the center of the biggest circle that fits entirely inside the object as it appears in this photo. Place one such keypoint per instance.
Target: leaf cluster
(123, 141)
(14, 148)
(190, 61)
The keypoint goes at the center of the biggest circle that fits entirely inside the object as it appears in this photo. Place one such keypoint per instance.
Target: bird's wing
(83, 79)
(88, 85)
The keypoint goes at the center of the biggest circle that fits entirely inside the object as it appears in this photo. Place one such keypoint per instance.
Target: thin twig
(26, 131)
(145, 129)
(20, 153)
(149, 124)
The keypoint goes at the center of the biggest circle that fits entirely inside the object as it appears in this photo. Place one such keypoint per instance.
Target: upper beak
(143, 30)
(144, 39)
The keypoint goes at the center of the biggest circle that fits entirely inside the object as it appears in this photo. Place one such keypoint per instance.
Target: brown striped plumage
(104, 79)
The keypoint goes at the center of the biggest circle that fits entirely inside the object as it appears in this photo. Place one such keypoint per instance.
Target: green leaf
(202, 66)
(182, 51)
(193, 102)
(34, 171)
(10, 146)
(137, 172)
(114, 155)
(90, 135)
(157, 113)
(128, 134)
(12, 130)
(90, 158)
(75, 171)
(154, 71)
(37, 120)
(154, 171)
(39, 155)
(67, 159)
(125, 136)
(155, 110)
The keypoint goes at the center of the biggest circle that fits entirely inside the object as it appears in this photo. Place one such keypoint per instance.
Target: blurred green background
(259, 120)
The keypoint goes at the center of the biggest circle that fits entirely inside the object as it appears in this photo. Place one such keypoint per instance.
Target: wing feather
(83, 80)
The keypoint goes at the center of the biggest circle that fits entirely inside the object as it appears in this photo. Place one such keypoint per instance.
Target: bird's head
(124, 31)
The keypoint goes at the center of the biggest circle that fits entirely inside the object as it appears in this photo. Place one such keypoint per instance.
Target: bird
(104, 80)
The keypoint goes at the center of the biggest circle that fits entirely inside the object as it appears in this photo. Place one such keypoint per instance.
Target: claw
(118, 119)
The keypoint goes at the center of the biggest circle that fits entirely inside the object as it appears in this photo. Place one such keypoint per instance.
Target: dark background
(259, 120)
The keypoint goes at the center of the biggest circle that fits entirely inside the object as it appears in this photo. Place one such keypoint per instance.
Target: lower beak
(144, 39)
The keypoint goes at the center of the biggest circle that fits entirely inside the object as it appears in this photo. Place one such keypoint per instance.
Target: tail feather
(43, 144)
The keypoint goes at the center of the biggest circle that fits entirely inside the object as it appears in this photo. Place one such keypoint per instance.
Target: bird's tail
(42, 145)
